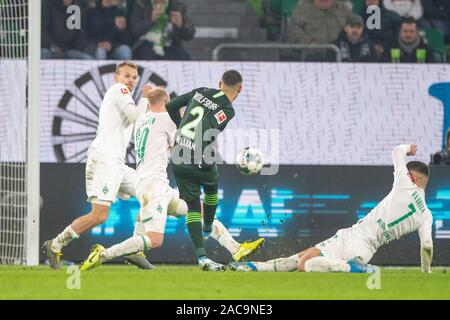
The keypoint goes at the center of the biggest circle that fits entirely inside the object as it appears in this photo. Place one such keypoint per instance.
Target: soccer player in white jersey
(154, 137)
(107, 175)
(401, 212)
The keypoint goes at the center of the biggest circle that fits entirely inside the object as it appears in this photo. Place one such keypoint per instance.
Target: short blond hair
(125, 64)
(157, 95)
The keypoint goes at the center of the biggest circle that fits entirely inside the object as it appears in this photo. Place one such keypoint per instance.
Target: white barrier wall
(325, 113)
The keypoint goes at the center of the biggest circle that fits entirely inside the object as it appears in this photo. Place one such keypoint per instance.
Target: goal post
(20, 42)
(33, 132)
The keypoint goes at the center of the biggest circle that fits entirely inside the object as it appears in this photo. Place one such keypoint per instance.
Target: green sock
(194, 226)
(210, 203)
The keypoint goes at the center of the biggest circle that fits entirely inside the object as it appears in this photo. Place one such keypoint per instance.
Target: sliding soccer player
(402, 211)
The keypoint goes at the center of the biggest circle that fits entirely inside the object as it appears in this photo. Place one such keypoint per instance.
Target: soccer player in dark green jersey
(208, 111)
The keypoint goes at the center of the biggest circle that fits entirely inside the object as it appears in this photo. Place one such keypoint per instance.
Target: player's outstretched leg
(94, 259)
(139, 259)
(226, 240)
(313, 261)
(52, 248)
(52, 257)
(100, 255)
(277, 265)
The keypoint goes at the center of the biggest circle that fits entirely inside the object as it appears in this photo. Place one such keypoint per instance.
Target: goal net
(19, 131)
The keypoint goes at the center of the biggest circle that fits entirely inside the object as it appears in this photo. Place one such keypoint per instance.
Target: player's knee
(211, 189)
(301, 265)
(157, 244)
(100, 214)
(156, 240)
(428, 246)
(305, 256)
(101, 218)
(181, 208)
(194, 205)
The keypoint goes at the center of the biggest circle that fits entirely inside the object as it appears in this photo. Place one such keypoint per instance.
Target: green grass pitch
(176, 282)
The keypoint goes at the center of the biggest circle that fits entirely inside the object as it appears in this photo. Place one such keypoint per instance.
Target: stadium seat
(437, 43)
(280, 10)
(357, 6)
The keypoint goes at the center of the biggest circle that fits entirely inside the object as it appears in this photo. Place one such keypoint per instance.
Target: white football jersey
(114, 129)
(154, 136)
(401, 212)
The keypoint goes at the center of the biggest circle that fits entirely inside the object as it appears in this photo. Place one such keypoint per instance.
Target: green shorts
(191, 179)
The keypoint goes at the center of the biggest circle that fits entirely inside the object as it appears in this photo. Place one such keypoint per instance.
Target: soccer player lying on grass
(401, 212)
(154, 136)
(107, 175)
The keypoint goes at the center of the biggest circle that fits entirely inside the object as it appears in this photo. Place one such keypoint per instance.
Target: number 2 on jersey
(188, 130)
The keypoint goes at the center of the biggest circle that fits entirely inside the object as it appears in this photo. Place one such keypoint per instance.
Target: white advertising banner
(295, 113)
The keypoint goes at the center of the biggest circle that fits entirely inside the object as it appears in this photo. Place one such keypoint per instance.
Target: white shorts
(345, 245)
(154, 195)
(107, 179)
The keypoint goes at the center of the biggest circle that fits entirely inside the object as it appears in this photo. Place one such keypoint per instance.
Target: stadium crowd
(117, 29)
(412, 31)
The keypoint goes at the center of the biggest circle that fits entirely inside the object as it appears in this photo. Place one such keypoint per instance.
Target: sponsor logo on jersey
(124, 91)
(220, 117)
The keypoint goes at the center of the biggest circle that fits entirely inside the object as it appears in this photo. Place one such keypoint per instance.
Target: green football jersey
(208, 112)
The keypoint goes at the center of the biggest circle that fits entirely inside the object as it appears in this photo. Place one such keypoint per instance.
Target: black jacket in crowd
(101, 26)
(436, 9)
(55, 31)
(390, 23)
(404, 56)
(362, 51)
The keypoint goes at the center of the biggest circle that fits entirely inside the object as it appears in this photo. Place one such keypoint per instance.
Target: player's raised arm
(127, 105)
(399, 158)
(426, 243)
(174, 106)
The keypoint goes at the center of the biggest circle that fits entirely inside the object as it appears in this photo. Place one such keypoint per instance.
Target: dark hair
(408, 20)
(418, 166)
(231, 78)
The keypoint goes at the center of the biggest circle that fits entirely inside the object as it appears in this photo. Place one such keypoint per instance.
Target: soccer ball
(249, 161)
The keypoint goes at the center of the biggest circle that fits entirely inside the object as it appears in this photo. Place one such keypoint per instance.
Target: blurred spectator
(317, 21)
(59, 42)
(407, 9)
(107, 28)
(158, 27)
(390, 22)
(437, 13)
(409, 47)
(274, 16)
(353, 42)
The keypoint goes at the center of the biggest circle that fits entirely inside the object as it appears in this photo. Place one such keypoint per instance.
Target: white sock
(139, 229)
(323, 264)
(221, 234)
(63, 239)
(131, 245)
(280, 265)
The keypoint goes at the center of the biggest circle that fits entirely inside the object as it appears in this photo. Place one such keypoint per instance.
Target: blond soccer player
(107, 175)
